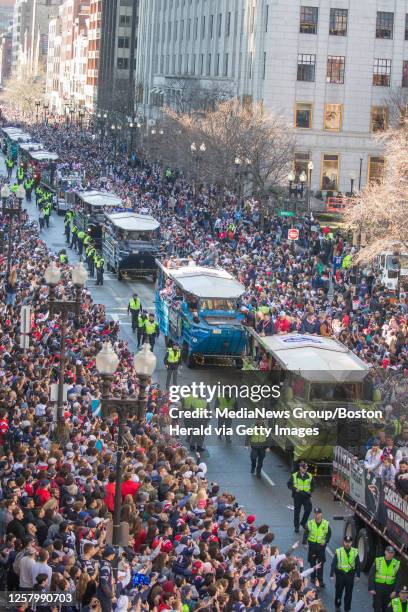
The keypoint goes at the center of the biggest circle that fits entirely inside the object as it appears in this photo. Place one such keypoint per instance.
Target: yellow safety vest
(386, 573)
(396, 605)
(346, 562)
(227, 403)
(197, 403)
(173, 356)
(397, 426)
(150, 327)
(302, 485)
(264, 309)
(258, 437)
(134, 304)
(318, 532)
(140, 321)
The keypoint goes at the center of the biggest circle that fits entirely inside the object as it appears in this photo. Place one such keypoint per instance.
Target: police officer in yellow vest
(317, 535)
(383, 579)
(400, 604)
(99, 265)
(69, 215)
(151, 330)
(62, 256)
(141, 320)
(346, 567)
(301, 484)
(172, 361)
(9, 166)
(258, 442)
(134, 308)
(74, 236)
(199, 406)
(228, 405)
(80, 237)
(20, 174)
(90, 253)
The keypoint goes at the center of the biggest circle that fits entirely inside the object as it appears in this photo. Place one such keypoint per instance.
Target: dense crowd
(191, 546)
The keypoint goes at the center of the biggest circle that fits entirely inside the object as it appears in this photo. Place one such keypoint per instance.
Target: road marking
(268, 480)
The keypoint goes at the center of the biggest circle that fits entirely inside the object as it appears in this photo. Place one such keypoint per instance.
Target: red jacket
(43, 495)
(129, 488)
(110, 496)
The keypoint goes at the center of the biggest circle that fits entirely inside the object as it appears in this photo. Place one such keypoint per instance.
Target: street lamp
(20, 195)
(352, 179)
(37, 109)
(291, 179)
(46, 107)
(81, 115)
(309, 183)
(107, 363)
(302, 179)
(63, 308)
(5, 193)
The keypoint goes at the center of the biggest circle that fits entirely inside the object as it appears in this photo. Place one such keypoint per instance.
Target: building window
(405, 73)
(306, 67)
(201, 63)
(217, 64)
(335, 69)
(123, 63)
(123, 42)
(219, 24)
(228, 25)
(250, 65)
(300, 164)
(226, 61)
(266, 17)
(196, 28)
(406, 26)
(303, 115)
(211, 26)
(385, 25)
(379, 118)
(264, 66)
(308, 19)
(193, 61)
(382, 72)
(375, 169)
(330, 173)
(252, 25)
(338, 22)
(333, 117)
(208, 64)
(125, 20)
(203, 26)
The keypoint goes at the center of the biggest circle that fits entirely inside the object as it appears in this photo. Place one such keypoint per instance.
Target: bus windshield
(393, 262)
(218, 304)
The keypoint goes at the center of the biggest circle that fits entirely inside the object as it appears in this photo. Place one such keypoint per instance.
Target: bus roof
(17, 135)
(133, 222)
(205, 283)
(32, 146)
(314, 358)
(99, 198)
(43, 155)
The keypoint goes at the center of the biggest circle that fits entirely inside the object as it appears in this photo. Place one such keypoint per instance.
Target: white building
(328, 66)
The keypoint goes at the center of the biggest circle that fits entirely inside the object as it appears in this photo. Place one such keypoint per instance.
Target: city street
(229, 466)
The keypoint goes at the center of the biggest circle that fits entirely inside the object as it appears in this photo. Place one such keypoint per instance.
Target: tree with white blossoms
(381, 209)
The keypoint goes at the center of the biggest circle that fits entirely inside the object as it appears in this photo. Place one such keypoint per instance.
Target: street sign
(286, 213)
(293, 234)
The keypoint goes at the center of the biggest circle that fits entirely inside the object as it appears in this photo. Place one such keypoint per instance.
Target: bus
(197, 307)
(89, 211)
(130, 244)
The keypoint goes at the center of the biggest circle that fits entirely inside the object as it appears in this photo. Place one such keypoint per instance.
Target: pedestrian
(197, 407)
(400, 603)
(383, 579)
(106, 586)
(74, 232)
(301, 484)
(152, 331)
(345, 569)
(80, 241)
(172, 361)
(317, 535)
(20, 174)
(41, 219)
(134, 308)
(9, 166)
(226, 406)
(258, 441)
(141, 327)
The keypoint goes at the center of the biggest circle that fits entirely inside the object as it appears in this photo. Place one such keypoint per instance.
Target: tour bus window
(213, 304)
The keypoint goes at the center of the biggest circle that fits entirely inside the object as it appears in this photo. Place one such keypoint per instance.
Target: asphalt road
(268, 498)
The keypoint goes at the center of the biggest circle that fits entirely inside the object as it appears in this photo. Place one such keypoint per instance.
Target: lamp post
(106, 363)
(81, 115)
(10, 212)
(309, 183)
(352, 179)
(46, 107)
(20, 195)
(291, 179)
(360, 174)
(197, 152)
(37, 110)
(302, 179)
(64, 308)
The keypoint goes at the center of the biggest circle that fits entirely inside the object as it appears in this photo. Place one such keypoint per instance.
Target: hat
(404, 590)
(260, 571)
(108, 551)
(348, 539)
(317, 511)
(251, 518)
(390, 549)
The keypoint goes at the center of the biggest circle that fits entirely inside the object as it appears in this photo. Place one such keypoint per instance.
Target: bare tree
(186, 95)
(381, 209)
(23, 92)
(397, 104)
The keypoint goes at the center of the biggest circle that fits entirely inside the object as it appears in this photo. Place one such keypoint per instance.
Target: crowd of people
(191, 546)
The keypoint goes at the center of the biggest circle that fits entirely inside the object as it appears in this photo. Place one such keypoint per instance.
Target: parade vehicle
(130, 244)
(319, 378)
(11, 138)
(89, 211)
(378, 514)
(197, 308)
(393, 270)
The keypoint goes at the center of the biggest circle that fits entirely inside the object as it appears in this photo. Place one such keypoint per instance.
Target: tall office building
(327, 66)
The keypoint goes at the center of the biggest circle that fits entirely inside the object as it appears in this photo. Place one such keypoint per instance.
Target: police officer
(317, 535)
(134, 308)
(99, 265)
(9, 166)
(172, 361)
(38, 195)
(228, 405)
(400, 604)
(90, 253)
(80, 242)
(67, 225)
(20, 174)
(258, 442)
(346, 567)
(151, 330)
(301, 484)
(383, 579)
(74, 232)
(141, 321)
(199, 406)
(62, 256)
(28, 186)
(106, 586)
